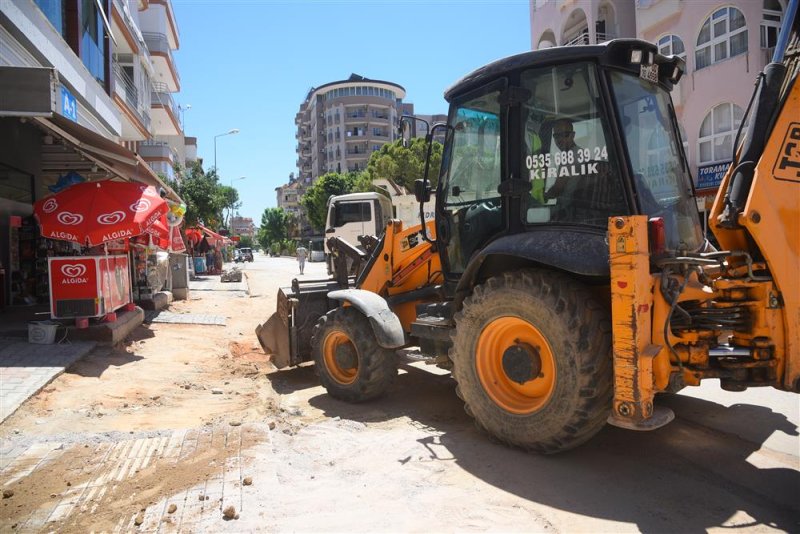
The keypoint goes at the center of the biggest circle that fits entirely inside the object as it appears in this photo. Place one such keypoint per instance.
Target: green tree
(404, 165)
(315, 200)
(205, 198)
(274, 227)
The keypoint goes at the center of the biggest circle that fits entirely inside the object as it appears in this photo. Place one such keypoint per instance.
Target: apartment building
(422, 127)
(725, 44)
(340, 124)
(288, 197)
(243, 226)
(146, 77)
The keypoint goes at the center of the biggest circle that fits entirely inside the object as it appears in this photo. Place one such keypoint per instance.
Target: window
(723, 35)
(771, 23)
(661, 178)
(54, 10)
(472, 174)
(672, 45)
(717, 131)
(569, 157)
(92, 36)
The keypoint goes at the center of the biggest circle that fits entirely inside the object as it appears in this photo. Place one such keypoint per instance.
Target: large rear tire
(532, 357)
(349, 362)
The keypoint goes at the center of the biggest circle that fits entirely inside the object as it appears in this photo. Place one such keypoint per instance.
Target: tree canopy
(274, 227)
(315, 200)
(205, 198)
(404, 165)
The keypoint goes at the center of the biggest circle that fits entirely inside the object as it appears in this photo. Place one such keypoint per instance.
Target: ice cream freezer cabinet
(88, 286)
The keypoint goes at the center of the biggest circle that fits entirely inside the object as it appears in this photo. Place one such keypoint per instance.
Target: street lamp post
(230, 215)
(230, 132)
(183, 109)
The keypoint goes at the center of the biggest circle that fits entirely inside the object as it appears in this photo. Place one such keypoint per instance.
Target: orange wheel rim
(515, 365)
(333, 342)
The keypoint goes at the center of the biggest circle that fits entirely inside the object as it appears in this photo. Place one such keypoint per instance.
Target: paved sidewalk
(25, 368)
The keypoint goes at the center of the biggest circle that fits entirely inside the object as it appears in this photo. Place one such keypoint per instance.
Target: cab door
(469, 204)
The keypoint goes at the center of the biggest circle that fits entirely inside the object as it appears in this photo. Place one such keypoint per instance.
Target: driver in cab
(584, 189)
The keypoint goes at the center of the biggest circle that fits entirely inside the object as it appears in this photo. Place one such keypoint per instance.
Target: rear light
(657, 236)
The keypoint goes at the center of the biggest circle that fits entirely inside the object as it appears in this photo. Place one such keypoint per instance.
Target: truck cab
(356, 214)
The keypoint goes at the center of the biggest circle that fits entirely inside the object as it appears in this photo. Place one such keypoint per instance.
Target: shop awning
(101, 152)
(30, 93)
(214, 236)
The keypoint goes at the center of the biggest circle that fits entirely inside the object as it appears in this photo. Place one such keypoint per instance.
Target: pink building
(725, 45)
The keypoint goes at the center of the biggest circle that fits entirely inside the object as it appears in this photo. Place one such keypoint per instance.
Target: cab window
(569, 157)
(350, 212)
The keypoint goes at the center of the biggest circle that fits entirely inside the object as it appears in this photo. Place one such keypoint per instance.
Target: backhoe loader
(566, 280)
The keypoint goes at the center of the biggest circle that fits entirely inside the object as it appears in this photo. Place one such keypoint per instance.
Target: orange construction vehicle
(567, 279)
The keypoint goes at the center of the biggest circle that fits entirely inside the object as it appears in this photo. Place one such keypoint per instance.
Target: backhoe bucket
(286, 335)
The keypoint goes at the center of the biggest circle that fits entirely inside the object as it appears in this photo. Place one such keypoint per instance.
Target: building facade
(87, 88)
(725, 44)
(243, 226)
(340, 124)
(288, 198)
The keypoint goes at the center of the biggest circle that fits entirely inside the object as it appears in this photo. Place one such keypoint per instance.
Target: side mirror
(422, 191)
(405, 131)
(329, 230)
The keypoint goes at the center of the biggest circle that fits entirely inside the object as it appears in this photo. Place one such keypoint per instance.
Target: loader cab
(552, 143)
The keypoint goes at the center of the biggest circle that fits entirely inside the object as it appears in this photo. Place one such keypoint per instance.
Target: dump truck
(566, 279)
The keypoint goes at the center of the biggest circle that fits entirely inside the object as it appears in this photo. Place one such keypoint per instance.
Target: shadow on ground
(683, 477)
(101, 359)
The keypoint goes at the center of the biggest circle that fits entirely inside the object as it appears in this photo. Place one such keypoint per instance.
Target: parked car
(246, 254)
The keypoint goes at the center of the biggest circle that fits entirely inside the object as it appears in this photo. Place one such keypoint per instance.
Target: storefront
(42, 148)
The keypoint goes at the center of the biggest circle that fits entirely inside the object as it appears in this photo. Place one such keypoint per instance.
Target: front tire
(349, 362)
(532, 357)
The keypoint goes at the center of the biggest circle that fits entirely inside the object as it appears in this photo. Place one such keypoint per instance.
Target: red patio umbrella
(160, 229)
(177, 241)
(91, 213)
(193, 235)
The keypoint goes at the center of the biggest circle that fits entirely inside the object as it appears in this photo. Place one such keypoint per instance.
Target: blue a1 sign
(69, 105)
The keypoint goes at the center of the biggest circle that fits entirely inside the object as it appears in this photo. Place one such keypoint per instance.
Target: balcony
(355, 134)
(135, 118)
(584, 39)
(124, 25)
(358, 150)
(166, 70)
(152, 151)
(165, 116)
(159, 17)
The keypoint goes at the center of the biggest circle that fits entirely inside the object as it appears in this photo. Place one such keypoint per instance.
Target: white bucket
(42, 332)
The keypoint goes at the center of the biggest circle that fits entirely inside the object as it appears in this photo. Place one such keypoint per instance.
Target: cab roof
(615, 53)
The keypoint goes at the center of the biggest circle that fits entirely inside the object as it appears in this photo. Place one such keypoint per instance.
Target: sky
(248, 64)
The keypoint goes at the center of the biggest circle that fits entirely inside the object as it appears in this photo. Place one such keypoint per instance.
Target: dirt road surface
(190, 428)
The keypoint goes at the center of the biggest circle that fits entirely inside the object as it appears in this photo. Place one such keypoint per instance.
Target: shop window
(723, 35)
(715, 143)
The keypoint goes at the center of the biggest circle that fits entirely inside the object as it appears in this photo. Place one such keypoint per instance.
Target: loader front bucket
(274, 338)
(286, 335)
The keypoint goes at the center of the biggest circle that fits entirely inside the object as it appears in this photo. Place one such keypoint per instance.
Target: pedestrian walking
(302, 254)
